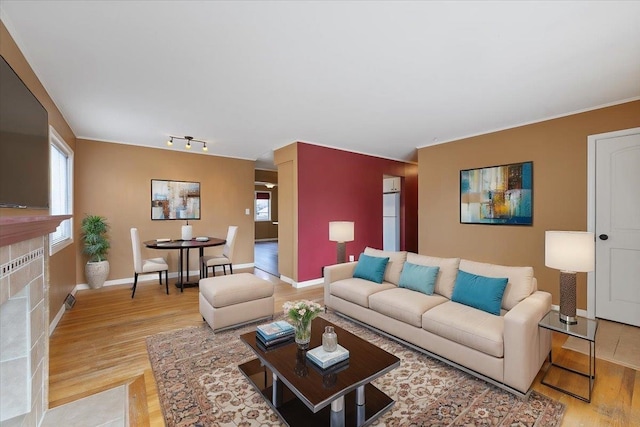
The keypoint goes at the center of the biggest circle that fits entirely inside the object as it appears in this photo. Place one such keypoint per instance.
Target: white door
(617, 226)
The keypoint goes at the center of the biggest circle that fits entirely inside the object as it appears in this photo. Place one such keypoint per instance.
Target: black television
(24, 144)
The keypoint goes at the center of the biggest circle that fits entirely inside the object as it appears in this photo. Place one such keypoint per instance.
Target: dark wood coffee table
(304, 395)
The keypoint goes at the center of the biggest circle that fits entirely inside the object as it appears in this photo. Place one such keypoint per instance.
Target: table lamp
(187, 232)
(569, 252)
(341, 232)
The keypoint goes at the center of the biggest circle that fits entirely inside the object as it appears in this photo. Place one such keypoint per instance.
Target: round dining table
(182, 245)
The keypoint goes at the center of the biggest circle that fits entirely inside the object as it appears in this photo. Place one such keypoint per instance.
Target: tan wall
(62, 278)
(558, 149)
(267, 229)
(286, 159)
(114, 180)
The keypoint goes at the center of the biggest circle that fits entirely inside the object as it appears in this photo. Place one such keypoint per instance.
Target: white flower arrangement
(301, 312)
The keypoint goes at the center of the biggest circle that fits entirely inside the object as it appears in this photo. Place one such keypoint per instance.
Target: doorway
(391, 189)
(613, 206)
(265, 252)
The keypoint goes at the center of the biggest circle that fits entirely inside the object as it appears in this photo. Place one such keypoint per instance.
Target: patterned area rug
(199, 384)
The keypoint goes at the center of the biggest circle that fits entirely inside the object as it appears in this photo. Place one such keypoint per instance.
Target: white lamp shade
(569, 250)
(341, 231)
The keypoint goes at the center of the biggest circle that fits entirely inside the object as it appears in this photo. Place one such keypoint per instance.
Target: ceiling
(380, 78)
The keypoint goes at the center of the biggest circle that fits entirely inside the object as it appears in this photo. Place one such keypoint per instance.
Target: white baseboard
(304, 284)
(247, 265)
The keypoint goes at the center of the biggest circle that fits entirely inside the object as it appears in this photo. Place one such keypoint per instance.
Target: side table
(585, 329)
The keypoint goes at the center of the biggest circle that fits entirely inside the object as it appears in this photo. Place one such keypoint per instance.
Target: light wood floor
(100, 343)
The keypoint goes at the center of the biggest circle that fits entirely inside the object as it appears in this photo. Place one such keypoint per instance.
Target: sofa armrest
(525, 346)
(333, 273)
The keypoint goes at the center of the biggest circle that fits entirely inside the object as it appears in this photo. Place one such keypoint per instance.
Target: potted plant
(94, 229)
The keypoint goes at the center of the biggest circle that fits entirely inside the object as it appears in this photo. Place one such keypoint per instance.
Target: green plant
(94, 229)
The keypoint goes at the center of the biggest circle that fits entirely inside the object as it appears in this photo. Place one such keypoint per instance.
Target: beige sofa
(507, 350)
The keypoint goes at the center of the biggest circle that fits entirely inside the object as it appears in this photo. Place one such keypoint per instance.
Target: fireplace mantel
(15, 229)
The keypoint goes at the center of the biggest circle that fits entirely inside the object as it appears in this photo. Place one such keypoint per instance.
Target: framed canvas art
(174, 200)
(497, 195)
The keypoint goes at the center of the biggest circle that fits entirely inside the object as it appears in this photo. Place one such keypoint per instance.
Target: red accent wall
(336, 185)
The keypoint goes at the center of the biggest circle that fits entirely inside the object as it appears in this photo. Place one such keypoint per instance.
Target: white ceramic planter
(96, 273)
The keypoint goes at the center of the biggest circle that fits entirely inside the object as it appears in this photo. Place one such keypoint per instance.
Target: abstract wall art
(497, 195)
(174, 200)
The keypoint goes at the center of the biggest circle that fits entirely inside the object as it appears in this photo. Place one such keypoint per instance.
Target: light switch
(247, 211)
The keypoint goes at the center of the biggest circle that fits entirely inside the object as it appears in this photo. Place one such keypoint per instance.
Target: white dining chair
(152, 265)
(223, 260)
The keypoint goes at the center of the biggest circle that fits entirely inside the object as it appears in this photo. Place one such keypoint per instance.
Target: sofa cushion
(357, 290)
(520, 284)
(371, 268)
(394, 267)
(404, 304)
(447, 274)
(468, 326)
(419, 278)
(483, 293)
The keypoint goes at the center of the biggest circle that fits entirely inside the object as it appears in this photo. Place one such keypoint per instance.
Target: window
(263, 206)
(61, 190)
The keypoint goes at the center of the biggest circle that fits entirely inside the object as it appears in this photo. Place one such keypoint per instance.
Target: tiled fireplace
(24, 314)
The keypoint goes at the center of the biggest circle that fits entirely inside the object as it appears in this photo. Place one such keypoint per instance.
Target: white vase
(96, 273)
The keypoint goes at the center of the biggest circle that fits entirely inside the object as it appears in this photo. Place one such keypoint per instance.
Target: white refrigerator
(391, 221)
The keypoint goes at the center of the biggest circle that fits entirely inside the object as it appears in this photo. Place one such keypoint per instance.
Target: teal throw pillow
(370, 268)
(483, 293)
(419, 278)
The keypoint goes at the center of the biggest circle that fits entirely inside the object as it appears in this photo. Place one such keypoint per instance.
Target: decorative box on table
(325, 359)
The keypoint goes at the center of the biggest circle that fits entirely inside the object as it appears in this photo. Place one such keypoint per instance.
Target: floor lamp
(341, 232)
(569, 252)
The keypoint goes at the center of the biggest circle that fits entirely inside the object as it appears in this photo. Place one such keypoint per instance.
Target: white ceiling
(374, 77)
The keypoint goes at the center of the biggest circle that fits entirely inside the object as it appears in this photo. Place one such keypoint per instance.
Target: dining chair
(141, 266)
(223, 260)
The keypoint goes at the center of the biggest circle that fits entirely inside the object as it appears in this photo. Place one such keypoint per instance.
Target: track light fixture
(189, 140)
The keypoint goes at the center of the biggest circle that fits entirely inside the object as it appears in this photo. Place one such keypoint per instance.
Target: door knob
(603, 237)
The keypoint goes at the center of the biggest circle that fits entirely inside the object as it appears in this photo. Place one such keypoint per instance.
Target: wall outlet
(247, 211)
(351, 258)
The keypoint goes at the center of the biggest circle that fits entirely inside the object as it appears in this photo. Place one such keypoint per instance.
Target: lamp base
(568, 319)
(342, 252)
(568, 298)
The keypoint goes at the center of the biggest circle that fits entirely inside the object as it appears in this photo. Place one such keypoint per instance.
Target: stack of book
(272, 334)
(324, 359)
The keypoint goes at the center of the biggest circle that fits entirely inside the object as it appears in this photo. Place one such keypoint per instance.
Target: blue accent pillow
(419, 278)
(371, 268)
(483, 293)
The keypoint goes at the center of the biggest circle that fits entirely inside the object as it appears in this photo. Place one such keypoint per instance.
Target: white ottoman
(236, 299)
